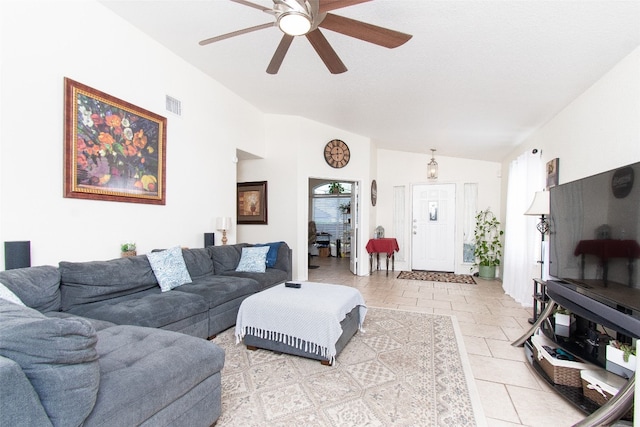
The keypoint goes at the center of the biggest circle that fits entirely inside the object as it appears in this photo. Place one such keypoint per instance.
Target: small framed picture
(252, 202)
(552, 172)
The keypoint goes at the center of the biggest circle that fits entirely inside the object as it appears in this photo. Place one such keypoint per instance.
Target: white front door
(433, 227)
(355, 226)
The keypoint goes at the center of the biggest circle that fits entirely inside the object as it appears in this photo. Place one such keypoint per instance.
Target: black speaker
(209, 239)
(17, 254)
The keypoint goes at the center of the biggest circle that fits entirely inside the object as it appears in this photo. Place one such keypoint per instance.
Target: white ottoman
(315, 321)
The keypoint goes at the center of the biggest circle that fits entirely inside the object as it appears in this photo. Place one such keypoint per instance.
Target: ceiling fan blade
(255, 6)
(278, 56)
(364, 31)
(327, 5)
(326, 52)
(236, 33)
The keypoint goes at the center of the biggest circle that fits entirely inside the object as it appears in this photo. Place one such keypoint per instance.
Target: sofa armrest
(19, 402)
(284, 261)
(290, 269)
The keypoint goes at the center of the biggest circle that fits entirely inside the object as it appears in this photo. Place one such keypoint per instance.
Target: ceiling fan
(306, 17)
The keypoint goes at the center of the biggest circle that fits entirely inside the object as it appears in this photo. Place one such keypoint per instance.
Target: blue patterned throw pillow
(169, 268)
(253, 259)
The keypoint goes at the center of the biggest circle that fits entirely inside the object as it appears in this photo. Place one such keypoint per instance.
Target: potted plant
(345, 208)
(335, 188)
(128, 249)
(488, 247)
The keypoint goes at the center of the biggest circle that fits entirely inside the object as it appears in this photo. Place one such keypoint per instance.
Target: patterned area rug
(406, 369)
(436, 276)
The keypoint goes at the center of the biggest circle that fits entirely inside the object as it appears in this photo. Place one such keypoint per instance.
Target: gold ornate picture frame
(113, 150)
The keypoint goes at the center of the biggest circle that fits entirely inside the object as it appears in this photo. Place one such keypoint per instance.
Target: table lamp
(223, 224)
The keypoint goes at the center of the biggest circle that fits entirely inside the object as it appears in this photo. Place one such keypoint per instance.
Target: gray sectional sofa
(96, 342)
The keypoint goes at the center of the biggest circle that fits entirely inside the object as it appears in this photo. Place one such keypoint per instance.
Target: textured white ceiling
(476, 78)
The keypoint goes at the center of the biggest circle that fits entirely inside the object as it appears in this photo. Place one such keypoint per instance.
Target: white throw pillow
(253, 259)
(169, 268)
(8, 295)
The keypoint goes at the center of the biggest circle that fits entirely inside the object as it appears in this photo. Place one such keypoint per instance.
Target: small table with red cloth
(609, 248)
(388, 246)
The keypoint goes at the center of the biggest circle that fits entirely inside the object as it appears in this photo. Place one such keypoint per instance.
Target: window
(327, 210)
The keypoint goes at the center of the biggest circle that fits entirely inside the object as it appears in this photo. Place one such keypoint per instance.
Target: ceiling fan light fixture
(294, 23)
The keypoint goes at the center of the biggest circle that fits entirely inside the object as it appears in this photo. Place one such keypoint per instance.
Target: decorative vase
(487, 271)
(128, 253)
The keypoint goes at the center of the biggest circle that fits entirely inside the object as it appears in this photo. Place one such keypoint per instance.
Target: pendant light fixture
(432, 167)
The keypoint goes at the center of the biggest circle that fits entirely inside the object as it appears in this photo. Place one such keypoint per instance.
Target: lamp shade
(223, 223)
(540, 204)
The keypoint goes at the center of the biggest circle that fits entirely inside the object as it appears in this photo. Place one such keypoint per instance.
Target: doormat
(437, 276)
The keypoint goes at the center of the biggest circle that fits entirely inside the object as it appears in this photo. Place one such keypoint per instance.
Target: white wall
(396, 168)
(294, 154)
(42, 42)
(598, 131)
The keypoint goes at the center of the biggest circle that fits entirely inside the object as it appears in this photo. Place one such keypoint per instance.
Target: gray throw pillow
(58, 356)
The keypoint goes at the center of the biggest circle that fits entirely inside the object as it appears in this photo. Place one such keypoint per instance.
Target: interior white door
(433, 227)
(355, 226)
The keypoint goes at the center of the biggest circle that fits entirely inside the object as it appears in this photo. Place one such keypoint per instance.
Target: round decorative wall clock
(337, 154)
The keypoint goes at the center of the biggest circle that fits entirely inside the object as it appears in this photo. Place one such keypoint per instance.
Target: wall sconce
(432, 167)
(223, 224)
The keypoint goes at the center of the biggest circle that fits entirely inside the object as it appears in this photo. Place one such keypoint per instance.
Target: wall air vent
(174, 105)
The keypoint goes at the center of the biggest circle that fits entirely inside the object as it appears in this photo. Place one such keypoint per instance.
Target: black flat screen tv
(594, 235)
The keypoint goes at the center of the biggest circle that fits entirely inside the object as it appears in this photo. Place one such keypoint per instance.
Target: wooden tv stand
(597, 304)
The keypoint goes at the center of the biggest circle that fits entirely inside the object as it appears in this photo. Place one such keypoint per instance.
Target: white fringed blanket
(307, 318)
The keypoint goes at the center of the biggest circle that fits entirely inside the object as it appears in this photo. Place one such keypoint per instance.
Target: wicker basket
(128, 253)
(600, 386)
(559, 371)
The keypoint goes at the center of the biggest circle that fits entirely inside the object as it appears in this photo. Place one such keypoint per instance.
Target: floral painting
(252, 202)
(113, 149)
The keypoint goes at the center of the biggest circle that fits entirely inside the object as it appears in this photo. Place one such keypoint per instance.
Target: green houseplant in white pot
(488, 246)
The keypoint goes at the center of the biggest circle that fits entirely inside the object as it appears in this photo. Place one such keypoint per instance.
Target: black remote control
(293, 285)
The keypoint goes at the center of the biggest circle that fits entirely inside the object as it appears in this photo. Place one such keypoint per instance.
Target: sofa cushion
(253, 259)
(37, 287)
(144, 370)
(271, 277)
(226, 257)
(87, 282)
(198, 261)
(272, 255)
(169, 268)
(58, 356)
(217, 290)
(152, 308)
(7, 295)
(98, 325)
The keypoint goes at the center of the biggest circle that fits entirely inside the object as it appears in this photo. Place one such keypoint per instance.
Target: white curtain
(522, 239)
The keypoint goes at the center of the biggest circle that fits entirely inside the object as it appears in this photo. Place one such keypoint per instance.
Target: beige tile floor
(510, 392)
